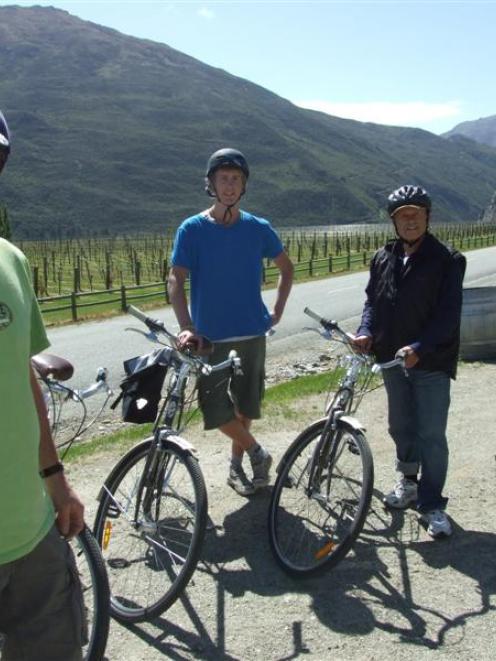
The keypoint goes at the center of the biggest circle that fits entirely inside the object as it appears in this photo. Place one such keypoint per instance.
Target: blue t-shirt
(225, 265)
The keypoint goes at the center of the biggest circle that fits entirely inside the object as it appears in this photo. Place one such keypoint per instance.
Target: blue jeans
(418, 414)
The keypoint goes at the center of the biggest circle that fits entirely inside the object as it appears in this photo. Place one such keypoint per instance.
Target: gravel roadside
(398, 595)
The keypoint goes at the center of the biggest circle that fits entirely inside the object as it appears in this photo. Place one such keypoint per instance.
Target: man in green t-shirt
(41, 614)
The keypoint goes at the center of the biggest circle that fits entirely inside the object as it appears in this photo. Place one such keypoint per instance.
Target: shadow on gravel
(469, 553)
(358, 597)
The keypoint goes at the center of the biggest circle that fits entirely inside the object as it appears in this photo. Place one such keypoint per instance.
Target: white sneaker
(438, 524)
(403, 494)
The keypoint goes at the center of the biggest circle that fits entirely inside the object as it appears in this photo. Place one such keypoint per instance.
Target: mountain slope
(481, 130)
(112, 133)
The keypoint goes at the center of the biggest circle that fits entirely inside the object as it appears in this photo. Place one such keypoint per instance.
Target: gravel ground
(398, 595)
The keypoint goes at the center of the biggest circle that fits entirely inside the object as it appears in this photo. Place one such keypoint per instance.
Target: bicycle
(51, 371)
(324, 481)
(152, 513)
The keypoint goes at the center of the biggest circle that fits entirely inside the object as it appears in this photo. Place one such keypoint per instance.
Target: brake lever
(323, 332)
(151, 336)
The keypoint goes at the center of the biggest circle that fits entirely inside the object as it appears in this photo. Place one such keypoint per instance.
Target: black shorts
(222, 395)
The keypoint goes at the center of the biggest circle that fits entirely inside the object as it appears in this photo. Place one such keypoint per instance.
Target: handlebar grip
(313, 315)
(136, 312)
(152, 324)
(325, 323)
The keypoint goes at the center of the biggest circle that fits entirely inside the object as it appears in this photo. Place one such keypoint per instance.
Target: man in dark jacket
(413, 309)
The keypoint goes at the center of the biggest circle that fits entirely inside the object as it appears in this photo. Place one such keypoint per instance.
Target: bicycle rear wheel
(150, 555)
(96, 593)
(313, 526)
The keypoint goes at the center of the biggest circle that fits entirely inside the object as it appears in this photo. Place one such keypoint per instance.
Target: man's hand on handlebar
(187, 337)
(362, 343)
(410, 356)
(198, 345)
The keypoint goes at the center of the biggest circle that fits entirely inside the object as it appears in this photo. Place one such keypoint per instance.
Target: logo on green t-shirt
(5, 316)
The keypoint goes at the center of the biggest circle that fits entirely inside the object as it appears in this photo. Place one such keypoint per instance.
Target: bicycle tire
(95, 591)
(150, 563)
(312, 531)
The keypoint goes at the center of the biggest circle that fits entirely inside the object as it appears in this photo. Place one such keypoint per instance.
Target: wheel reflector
(106, 534)
(325, 550)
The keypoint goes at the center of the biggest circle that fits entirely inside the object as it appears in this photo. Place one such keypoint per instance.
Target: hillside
(111, 134)
(481, 130)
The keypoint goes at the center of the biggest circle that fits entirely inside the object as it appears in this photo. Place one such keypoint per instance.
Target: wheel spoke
(151, 557)
(315, 525)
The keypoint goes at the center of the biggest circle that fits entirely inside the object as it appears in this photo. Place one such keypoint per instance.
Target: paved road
(89, 345)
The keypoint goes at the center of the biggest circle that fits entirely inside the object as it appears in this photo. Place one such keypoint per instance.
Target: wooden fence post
(74, 306)
(45, 274)
(36, 283)
(330, 263)
(123, 298)
(77, 280)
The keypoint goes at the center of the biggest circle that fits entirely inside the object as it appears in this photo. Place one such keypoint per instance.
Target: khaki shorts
(41, 605)
(222, 395)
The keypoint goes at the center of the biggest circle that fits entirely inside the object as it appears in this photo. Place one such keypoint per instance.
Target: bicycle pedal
(353, 448)
(113, 512)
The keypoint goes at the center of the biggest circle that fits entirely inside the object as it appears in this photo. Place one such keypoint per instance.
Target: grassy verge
(279, 405)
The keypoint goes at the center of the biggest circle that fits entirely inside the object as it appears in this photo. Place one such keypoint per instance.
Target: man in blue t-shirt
(221, 250)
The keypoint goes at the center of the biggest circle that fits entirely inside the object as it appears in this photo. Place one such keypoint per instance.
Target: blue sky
(421, 63)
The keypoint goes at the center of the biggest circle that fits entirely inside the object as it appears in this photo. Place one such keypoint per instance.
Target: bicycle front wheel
(314, 522)
(151, 551)
(96, 594)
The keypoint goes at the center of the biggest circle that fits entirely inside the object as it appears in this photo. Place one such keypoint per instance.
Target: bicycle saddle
(47, 364)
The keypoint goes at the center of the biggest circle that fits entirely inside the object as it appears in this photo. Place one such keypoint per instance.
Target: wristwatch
(52, 470)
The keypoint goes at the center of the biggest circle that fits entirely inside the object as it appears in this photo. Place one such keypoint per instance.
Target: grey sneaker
(403, 494)
(438, 524)
(238, 480)
(261, 464)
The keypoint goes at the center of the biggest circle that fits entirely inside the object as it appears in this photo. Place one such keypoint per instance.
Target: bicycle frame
(166, 428)
(342, 404)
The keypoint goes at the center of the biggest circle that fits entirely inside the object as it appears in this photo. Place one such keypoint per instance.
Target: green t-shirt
(26, 512)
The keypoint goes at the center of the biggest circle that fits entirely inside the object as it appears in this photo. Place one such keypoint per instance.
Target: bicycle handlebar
(397, 361)
(153, 324)
(158, 326)
(330, 326)
(325, 323)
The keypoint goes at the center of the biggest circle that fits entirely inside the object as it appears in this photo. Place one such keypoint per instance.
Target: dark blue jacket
(417, 304)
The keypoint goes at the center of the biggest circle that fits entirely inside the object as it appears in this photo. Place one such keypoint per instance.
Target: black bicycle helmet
(4, 141)
(405, 196)
(227, 158)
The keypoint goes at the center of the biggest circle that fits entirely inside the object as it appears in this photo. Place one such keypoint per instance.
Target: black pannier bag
(141, 389)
